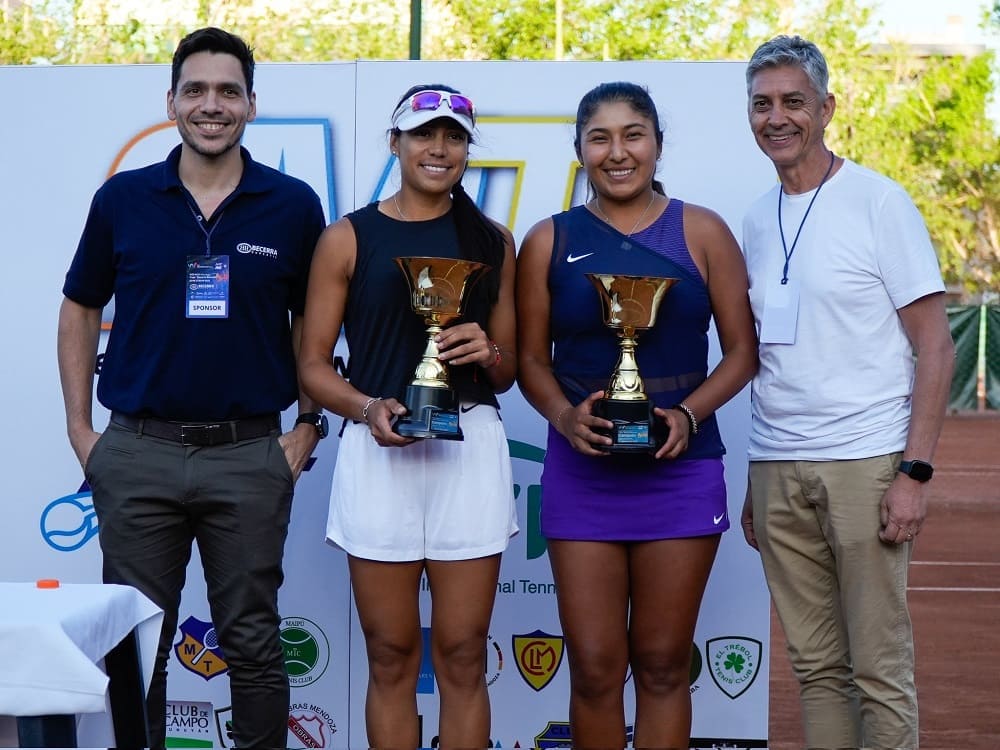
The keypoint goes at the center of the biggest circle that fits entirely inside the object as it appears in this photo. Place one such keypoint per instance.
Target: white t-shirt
(842, 389)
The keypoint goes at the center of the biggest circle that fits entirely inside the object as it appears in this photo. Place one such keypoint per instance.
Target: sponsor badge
(207, 286)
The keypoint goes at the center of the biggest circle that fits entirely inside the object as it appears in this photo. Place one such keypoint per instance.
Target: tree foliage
(921, 120)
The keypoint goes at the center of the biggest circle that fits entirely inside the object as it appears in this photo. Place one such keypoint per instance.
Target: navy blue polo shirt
(141, 229)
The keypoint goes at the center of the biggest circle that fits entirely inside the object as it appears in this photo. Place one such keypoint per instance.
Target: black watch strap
(920, 471)
(317, 419)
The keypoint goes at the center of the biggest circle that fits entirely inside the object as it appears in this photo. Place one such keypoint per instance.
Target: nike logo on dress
(466, 409)
(716, 520)
(574, 258)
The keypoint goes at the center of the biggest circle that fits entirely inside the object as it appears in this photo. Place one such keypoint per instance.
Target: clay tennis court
(954, 601)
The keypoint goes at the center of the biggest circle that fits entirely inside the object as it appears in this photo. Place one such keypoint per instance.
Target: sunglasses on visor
(432, 100)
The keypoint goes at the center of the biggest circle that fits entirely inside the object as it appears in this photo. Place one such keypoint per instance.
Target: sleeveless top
(385, 337)
(673, 355)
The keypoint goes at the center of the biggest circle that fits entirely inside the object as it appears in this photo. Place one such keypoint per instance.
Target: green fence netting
(992, 357)
(964, 323)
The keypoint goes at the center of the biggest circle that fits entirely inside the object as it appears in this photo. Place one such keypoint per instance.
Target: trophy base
(636, 429)
(433, 414)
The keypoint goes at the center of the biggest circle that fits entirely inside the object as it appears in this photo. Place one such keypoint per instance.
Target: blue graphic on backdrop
(425, 679)
(69, 522)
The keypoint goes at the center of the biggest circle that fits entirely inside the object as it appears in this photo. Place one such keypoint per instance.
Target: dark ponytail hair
(478, 237)
(632, 94)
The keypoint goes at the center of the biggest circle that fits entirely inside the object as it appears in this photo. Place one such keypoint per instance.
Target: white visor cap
(407, 118)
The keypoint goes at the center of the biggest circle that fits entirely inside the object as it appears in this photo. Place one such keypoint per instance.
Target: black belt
(200, 433)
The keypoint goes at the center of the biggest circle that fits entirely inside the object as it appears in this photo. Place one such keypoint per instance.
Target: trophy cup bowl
(629, 305)
(437, 290)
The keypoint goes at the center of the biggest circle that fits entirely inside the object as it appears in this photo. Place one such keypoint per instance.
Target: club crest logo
(556, 734)
(224, 726)
(311, 725)
(493, 666)
(538, 656)
(734, 663)
(198, 650)
(307, 650)
(697, 663)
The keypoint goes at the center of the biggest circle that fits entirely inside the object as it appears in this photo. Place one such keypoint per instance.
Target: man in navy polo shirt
(205, 254)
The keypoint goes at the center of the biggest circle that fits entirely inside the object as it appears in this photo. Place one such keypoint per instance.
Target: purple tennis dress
(630, 497)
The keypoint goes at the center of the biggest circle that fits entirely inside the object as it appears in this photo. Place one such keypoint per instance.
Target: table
(50, 643)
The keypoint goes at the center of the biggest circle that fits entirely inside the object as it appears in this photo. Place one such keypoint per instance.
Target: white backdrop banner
(327, 124)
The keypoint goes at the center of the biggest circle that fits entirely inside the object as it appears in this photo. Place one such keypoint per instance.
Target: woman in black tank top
(380, 474)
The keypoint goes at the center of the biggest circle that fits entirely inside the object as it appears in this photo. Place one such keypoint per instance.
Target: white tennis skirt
(431, 499)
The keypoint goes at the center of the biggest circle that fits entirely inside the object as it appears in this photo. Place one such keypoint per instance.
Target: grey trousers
(153, 498)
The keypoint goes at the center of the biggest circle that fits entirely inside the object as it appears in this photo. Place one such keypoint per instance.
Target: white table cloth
(52, 639)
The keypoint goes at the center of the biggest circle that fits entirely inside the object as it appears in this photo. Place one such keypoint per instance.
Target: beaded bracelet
(367, 406)
(499, 358)
(692, 420)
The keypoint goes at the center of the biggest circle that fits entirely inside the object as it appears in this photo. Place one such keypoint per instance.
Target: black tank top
(385, 337)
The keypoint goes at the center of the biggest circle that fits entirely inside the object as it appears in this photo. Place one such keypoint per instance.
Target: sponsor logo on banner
(535, 542)
(696, 666)
(425, 678)
(224, 726)
(494, 665)
(69, 522)
(555, 734)
(307, 650)
(734, 662)
(198, 649)
(310, 725)
(300, 146)
(189, 724)
(537, 656)
(436, 743)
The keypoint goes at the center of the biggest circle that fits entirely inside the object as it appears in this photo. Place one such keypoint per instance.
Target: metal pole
(415, 29)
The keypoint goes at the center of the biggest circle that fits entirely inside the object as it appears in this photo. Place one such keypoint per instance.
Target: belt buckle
(200, 434)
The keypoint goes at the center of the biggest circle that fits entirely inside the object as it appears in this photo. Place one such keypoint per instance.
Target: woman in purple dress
(631, 537)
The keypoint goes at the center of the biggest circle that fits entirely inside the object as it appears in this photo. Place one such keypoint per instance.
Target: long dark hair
(478, 237)
(634, 95)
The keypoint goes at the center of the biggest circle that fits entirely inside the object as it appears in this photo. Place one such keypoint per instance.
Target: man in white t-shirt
(855, 367)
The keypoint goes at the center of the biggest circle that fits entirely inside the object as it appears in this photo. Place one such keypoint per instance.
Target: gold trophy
(437, 288)
(629, 304)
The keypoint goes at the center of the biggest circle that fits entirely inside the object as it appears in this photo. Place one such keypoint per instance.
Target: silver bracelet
(692, 420)
(558, 423)
(367, 406)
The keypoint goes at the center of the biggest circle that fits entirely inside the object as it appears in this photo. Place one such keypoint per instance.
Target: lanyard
(781, 229)
(208, 232)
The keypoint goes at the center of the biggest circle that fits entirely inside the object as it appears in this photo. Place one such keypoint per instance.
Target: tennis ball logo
(300, 651)
(68, 523)
(307, 650)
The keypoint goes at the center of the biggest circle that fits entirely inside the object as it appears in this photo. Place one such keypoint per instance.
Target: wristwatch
(317, 419)
(921, 471)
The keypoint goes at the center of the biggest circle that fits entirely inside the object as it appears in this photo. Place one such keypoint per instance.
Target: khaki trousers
(840, 593)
